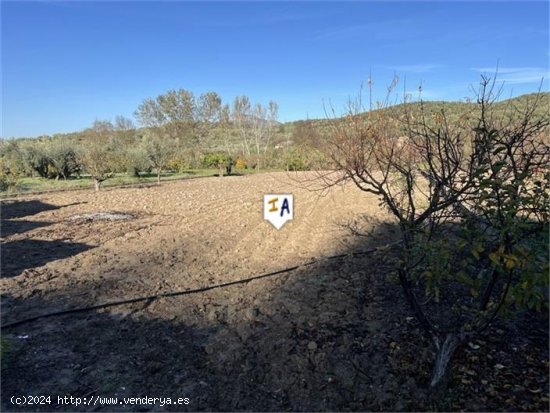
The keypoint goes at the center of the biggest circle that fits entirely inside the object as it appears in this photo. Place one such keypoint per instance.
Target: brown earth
(332, 335)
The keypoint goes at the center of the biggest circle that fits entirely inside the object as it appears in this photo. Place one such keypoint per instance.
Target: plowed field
(330, 335)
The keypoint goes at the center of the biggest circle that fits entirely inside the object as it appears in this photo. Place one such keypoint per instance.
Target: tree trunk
(445, 349)
(158, 176)
(445, 352)
(97, 184)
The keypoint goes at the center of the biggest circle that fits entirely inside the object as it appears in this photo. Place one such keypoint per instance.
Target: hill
(453, 109)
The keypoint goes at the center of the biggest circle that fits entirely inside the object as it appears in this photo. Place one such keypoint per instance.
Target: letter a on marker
(285, 206)
(271, 209)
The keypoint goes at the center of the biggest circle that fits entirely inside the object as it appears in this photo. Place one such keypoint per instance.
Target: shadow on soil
(330, 336)
(10, 227)
(18, 209)
(21, 254)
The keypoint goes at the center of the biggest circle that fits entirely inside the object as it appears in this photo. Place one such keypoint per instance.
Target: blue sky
(66, 64)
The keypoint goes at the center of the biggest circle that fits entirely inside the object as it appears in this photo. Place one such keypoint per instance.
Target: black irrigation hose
(186, 292)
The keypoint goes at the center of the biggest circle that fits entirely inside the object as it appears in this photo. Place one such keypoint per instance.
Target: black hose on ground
(185, 292)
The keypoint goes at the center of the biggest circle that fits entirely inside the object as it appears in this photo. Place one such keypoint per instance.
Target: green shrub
(240, 164)
(11, 164)
(218, 160)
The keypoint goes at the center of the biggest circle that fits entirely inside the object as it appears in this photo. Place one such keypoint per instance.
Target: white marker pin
(278, 209)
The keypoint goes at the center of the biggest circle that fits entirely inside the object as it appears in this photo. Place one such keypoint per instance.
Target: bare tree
(124, 124)
(240, 115)
(272, 114)
(262, 123)
(224, 126)
(466, 196)
(101, 130)
(258, 129)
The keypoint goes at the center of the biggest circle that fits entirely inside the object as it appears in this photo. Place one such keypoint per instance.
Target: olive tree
(11, 164)
(35, 156)
(136, 160)
(158, 150)
(63, 158)
(98, 153)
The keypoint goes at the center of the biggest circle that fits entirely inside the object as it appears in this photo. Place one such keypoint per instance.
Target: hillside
(452, 109)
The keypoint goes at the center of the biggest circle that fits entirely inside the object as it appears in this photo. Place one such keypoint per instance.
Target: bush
(218, 160)
(240, 164)
(295, 159)
(11, 164)
(179, 162)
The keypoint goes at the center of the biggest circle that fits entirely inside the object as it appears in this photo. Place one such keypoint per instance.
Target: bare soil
(334, 335)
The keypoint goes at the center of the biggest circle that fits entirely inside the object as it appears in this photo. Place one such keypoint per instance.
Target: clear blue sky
(66, 64)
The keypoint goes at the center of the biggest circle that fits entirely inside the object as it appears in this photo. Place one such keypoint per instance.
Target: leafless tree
(225, 129)
(124, 124)
(473, 180)
(262, 122)
(240, 116)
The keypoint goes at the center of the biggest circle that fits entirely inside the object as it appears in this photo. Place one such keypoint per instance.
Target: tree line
(175, 131)
(178, 131)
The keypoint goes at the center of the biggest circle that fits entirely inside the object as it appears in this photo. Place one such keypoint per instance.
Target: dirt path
(319, 338)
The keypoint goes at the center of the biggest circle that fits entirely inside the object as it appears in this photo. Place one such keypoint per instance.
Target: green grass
(30, 185)
(25, 185)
